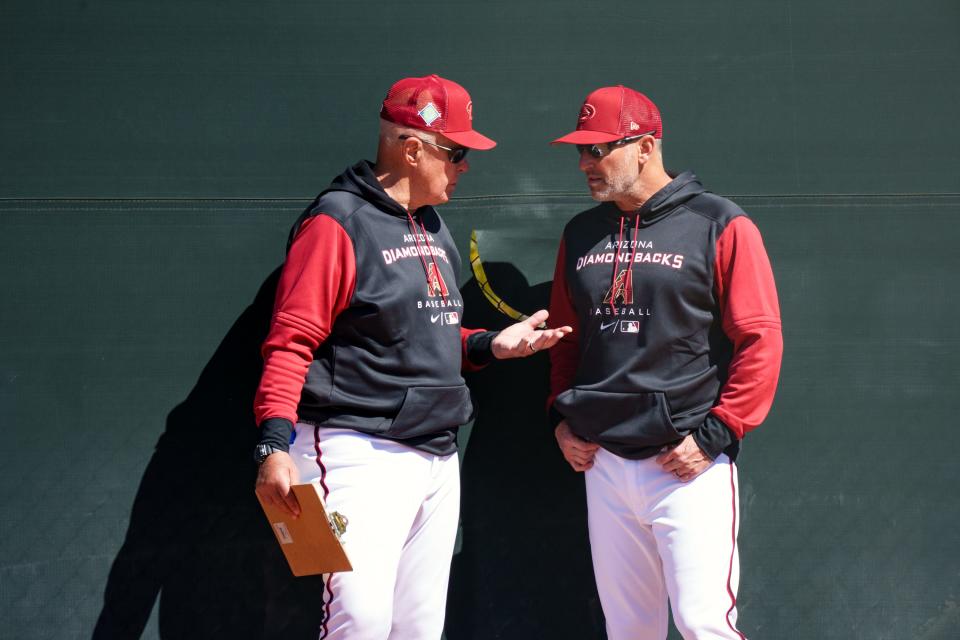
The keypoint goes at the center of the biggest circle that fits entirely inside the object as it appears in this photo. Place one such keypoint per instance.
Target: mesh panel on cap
(642, 113)
(399, 96)
(403, 104)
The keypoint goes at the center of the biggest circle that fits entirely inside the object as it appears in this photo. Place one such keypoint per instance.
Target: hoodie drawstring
(423, 261)
(616, 268)
(628, 277)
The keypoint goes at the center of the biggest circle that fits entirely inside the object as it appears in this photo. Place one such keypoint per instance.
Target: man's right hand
(277, 474)
(577, 451)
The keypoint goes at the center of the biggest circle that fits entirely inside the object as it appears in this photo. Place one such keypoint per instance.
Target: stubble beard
(614, 187)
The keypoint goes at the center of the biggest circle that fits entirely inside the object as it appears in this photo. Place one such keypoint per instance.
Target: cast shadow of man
(197, 538)
(524, 567)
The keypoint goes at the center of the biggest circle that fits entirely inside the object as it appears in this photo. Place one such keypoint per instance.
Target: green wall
(153, 156)
(267, 99)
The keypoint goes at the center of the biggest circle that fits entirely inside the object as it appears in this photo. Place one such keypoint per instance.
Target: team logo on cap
(429, 113)
(587, 111)
(470, 110)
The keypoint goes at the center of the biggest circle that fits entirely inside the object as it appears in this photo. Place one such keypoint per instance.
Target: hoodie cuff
(276, 433)
(713, 436)
(480, 347)
(554, 416)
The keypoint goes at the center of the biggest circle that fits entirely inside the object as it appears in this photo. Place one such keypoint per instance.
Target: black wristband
(554, 416)
(480, 347)
(713, 436)
(276, 433)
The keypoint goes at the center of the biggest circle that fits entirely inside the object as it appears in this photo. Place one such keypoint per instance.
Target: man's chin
(600, 195)
(441, 198)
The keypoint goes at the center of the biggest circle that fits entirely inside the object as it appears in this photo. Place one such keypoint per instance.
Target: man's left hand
(524, 339)
(686, 460)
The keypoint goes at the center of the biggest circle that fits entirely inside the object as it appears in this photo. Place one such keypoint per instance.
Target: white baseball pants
(402, 505)
(656, 539)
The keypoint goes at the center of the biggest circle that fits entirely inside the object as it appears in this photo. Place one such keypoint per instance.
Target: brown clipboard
(309, 542)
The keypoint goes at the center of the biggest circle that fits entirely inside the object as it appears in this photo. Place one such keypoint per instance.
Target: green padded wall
(267, 99)
(154, 155)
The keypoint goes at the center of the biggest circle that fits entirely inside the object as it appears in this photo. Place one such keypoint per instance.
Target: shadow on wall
(524, 568)
(197, 537)
(198, 540)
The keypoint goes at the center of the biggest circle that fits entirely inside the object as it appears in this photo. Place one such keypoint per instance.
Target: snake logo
(435, 284)
(622, 289)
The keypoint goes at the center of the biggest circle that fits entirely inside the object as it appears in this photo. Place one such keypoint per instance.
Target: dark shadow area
(524, 569)
(198, 541)
(197, 537)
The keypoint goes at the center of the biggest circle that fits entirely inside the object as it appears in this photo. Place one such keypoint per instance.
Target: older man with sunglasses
(361, 389)
(675, 356)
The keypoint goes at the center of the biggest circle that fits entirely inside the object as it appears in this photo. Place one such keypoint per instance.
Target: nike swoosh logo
(434, 318)
(604, 327)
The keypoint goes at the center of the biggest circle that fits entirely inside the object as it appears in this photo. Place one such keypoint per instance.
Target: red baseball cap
(436, 104)
(612, 113)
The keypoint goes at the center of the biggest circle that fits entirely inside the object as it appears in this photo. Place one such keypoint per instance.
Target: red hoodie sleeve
(316, 284)
(565, 355)
(750, 315)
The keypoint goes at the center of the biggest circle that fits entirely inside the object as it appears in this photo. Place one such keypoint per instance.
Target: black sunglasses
(456, 154)
(603, 148)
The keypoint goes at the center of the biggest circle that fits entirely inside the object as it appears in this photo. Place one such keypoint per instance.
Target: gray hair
(390, 133)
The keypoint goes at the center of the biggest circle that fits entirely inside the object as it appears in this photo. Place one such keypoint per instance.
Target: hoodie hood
(682, 188)
(362, 182)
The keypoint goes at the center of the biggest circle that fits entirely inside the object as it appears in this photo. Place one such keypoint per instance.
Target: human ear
(411, 149)
(646, 148)
(646, 151)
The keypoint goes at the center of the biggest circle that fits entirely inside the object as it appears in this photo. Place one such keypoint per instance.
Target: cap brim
(471, 139)
(586, 136)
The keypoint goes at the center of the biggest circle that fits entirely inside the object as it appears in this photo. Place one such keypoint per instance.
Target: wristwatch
(262, 451)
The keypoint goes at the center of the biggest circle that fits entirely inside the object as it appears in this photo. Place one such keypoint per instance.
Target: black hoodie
(668, 304)
(389, 362)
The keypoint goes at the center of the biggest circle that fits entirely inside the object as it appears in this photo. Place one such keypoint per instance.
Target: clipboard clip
(338, 523)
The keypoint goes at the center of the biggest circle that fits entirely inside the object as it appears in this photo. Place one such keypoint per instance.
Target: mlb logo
(630, 326)
(452, 317)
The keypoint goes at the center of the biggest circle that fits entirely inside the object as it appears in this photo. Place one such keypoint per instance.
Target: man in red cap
(361, 389)
(674, 358)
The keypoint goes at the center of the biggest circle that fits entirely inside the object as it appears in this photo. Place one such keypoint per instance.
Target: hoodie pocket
(430, 409)
(635, 419)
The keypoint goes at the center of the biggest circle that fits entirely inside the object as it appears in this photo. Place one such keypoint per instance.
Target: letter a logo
(622, 290)
(435, 284)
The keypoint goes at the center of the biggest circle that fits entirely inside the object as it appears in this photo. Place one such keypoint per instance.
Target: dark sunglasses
(456, 154)
(603, 148)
